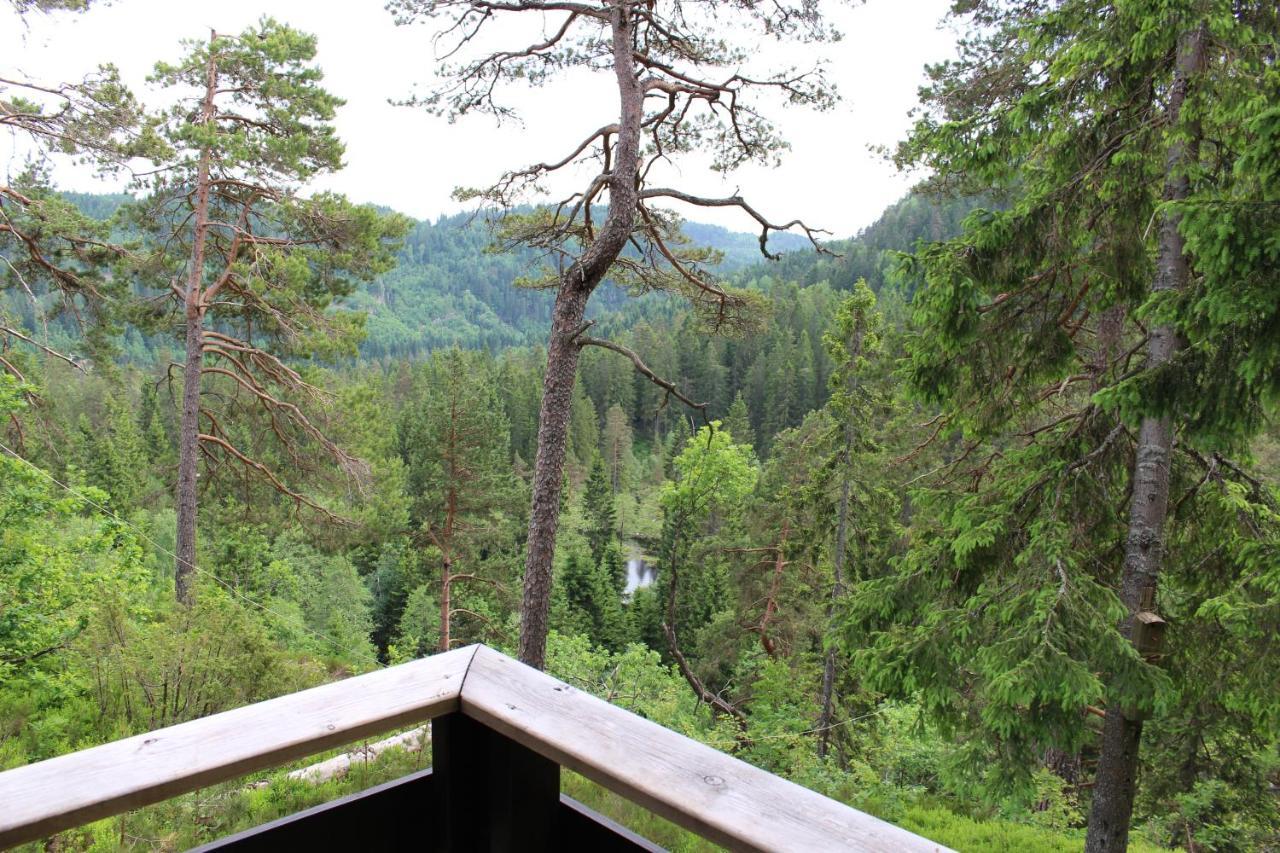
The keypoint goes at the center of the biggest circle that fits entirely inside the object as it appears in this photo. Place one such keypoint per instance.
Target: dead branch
(6, 330)
(644, 370)
(700, 689)
(297, 497)
(739, 202)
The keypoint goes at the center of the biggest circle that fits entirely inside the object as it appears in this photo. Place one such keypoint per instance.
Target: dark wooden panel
(389, 817)
(580, 828)
(492, 794)
(400, 816)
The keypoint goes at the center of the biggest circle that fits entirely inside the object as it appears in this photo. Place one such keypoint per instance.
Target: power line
(144, 537)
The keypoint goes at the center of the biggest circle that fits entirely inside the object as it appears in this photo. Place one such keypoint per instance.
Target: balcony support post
(492, 794)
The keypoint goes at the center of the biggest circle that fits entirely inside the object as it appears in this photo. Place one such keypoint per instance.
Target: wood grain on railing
(40, 799)
(689, 783)
(700, 788)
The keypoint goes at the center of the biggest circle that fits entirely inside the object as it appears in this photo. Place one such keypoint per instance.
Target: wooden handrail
(700, 788)
(691, 784)
(40, 799)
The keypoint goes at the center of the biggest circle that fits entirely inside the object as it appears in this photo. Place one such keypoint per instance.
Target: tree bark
(187, 496)
(1116, 781)
(576, 287)
(771, 602)
(446, 603)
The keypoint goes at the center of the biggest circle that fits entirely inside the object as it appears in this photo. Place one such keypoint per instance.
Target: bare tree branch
(644, 370)
(737, 201)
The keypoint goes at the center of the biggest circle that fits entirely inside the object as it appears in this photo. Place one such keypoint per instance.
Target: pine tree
(454, 444)
(636, 45)
(261, 266)
(46, 241)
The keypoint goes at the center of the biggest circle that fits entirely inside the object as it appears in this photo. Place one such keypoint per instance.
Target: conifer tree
(114, 455)
(454, 444)
(245, 266)
(591, 604)
(614, 565)
(780, 392)
(864, 507)
(584, 428)
(616, 446)
(1098, 354)
(599, 508)
(666, 59)
(738, 421)
(49, 246)
(152, 423)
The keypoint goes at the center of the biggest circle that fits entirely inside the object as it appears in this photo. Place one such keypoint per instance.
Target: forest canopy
(970, 520)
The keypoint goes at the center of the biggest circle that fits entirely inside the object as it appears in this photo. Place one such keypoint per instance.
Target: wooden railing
(526, 723)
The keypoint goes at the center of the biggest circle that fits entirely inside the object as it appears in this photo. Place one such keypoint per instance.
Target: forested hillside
(450, 287)
(890, 514)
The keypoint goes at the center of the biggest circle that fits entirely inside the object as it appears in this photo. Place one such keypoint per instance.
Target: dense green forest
(877, 518)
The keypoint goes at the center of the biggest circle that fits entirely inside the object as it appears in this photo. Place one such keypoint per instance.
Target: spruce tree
(600, 510)
(1098, 354)
(865, 506)
(590, 603)
(453, 440)
(738, 421)
(616, 446)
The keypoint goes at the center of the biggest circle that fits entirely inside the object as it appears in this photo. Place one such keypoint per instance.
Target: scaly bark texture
(187, 497)
(576, 287)
(1116, 780)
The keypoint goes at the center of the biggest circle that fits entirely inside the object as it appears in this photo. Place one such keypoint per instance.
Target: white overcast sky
(411, 161)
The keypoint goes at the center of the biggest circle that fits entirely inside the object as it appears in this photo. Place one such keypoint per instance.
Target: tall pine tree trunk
(446, 602)
(1116, 781)
(187, 496)
(576, 287)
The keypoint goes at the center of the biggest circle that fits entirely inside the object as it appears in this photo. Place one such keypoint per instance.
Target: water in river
(639, 573)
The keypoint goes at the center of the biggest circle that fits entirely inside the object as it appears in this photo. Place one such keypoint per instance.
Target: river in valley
(640, 573)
